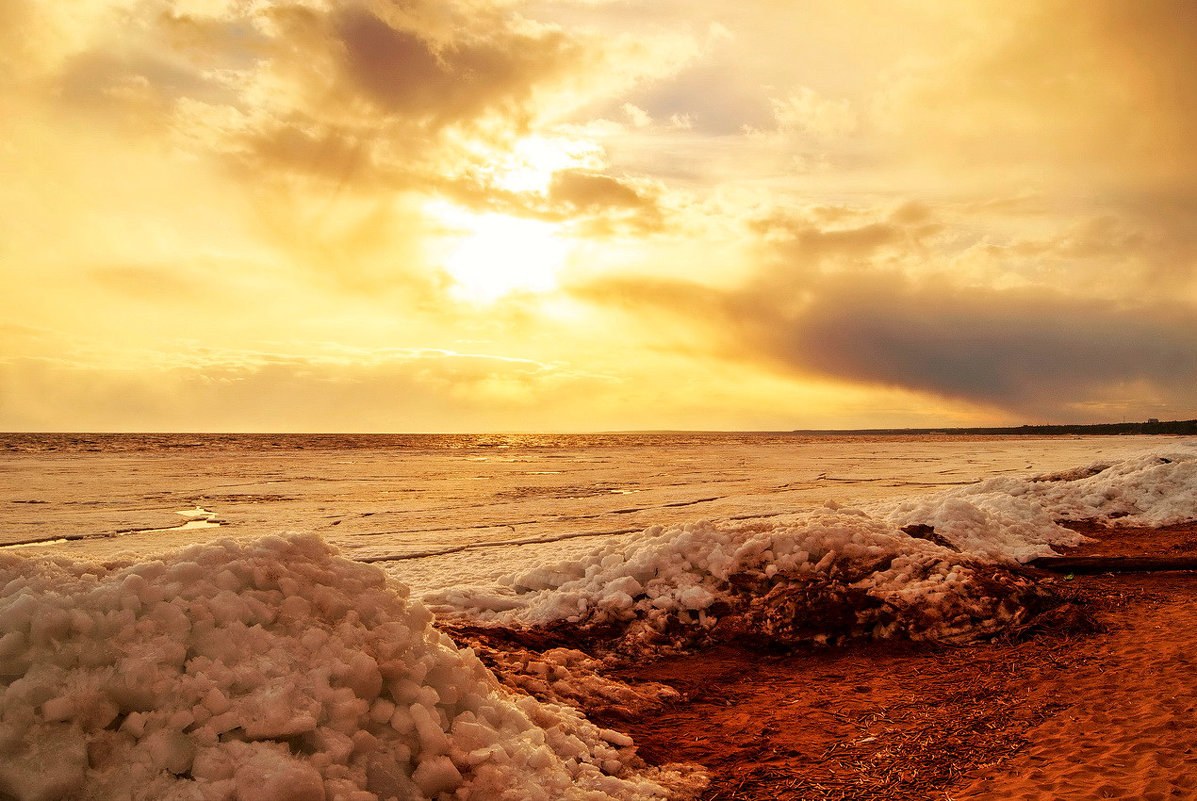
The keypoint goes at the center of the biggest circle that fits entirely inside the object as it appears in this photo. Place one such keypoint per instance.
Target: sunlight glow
(493, 255)
(532, 162)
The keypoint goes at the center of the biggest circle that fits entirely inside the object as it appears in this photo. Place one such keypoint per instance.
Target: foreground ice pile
(929, 568)
(274, 671)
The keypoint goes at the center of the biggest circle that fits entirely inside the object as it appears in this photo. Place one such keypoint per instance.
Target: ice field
(381, 497)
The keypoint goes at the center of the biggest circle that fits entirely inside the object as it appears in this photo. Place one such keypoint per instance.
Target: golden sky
(478, 215)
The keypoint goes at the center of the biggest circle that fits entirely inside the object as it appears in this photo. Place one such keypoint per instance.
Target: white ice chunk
(47, 764)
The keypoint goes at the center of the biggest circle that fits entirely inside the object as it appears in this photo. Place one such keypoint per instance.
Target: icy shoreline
(923, 563)
(276, 670)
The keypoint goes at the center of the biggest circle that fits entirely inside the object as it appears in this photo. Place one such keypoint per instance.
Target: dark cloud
(389, 98)
(374, 97)
(589, 190)
(1028, 350)
(359, 94)
(397, 67)
(411, 73)
(1033, 352)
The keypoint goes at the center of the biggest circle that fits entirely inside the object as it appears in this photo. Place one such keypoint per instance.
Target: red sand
(1110, 715)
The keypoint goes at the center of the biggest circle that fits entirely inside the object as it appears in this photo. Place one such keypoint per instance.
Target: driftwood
(1114, 564)
(922, 531)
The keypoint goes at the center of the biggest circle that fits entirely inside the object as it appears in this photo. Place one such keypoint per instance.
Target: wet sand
(1111, 714)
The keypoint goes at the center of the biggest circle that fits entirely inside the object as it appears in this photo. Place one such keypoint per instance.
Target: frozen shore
(277, 670)
(916, 568)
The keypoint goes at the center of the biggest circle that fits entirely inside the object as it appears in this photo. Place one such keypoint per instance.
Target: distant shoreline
(1174, 427)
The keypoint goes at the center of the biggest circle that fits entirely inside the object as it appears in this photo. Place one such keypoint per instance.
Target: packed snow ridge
(922, 568)
(271, 671)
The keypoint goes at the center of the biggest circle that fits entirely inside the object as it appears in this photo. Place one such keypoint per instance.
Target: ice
(268, 671)
(1014, 518)
(382, 497)
(660, 577)
(45, 764)
(678, 573)
(572, 677)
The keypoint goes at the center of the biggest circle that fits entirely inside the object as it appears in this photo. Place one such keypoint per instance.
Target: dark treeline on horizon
(1149, 427)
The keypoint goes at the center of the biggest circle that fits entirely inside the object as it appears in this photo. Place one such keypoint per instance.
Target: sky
(579, 215)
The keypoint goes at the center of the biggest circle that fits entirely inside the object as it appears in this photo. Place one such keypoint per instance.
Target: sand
(1130, 729)
(1111, 714)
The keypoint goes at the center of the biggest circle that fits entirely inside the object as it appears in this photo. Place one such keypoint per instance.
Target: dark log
(1114, 564)
(922, 531)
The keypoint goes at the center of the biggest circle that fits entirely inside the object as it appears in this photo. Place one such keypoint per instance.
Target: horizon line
(547, 432)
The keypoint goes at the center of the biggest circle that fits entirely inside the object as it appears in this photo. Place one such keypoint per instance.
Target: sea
(436, 509)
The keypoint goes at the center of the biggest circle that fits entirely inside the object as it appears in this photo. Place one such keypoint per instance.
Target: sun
(530, 165)
(489, 256)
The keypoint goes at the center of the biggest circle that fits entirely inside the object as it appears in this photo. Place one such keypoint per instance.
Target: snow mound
(269, 671)
(821, 576)
(1015, 518)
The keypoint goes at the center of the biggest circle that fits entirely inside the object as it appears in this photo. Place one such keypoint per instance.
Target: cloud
(861, 296)
(1026, 350)
(164, 283)
(603, 205)
(591, 203)
(712, 96)
(806, 111)
(810, 240)
(370, 93)
(455, 79)
(378, 390)
(587, 190)
(795, 194)
(15, 331)
(1102, 93)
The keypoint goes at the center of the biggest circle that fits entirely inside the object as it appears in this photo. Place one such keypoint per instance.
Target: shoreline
(890, 720)
(1061, 710)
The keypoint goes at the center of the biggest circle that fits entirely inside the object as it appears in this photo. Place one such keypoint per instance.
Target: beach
(580, 400)
(1065, 714)
(867, 618)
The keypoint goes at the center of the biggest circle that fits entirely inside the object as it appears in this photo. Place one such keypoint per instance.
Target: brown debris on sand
(1094, 695)
(787, 610)
(531, 664)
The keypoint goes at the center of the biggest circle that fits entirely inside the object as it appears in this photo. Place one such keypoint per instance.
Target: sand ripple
(1129, 732)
